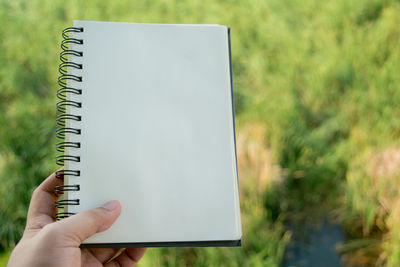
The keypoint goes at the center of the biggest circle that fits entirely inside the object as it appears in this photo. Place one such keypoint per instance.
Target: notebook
(146, 117)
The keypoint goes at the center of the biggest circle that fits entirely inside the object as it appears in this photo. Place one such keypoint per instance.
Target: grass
(316, 95)
(4, 257)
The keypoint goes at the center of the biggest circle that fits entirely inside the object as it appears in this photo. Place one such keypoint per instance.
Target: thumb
(85, 224)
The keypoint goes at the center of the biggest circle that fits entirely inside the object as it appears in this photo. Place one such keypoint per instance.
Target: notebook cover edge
(213, 243)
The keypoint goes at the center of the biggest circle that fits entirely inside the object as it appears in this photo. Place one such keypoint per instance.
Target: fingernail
(111, 205)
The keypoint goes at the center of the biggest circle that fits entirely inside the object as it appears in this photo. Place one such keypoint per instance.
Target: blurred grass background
(317, 103)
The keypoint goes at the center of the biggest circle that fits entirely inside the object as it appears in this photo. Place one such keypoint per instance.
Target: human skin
(46, 242)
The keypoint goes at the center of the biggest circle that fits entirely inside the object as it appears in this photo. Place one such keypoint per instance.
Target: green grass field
(317, 93)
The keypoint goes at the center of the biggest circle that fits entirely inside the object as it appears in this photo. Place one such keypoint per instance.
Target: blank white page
(157, 131)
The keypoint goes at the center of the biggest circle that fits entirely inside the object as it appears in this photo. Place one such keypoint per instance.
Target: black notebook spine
(65, 104)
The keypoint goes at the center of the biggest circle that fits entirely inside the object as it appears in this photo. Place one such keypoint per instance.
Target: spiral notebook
(146, 117)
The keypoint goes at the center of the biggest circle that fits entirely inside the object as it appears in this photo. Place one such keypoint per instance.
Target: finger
(81, 226)
(135, 253)
(41, 209)
(103, 254)
(130, 257)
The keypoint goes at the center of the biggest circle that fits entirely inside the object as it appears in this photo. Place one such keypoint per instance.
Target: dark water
(314, 245)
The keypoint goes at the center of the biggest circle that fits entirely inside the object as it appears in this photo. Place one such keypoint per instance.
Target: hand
(46, 242)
